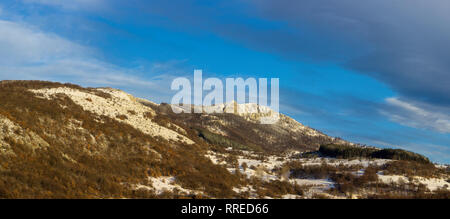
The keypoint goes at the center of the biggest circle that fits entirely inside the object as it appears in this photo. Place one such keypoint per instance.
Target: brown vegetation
(97, 160)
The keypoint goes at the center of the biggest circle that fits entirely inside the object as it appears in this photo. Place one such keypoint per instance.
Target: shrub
(410, 168)
(348, 152)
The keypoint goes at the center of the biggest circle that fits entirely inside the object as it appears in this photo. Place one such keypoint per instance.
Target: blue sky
(374, 72)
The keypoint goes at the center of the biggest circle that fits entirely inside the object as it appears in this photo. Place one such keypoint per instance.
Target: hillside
(66, 141)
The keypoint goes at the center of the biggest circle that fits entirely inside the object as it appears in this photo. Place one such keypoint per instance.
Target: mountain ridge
(63, 140)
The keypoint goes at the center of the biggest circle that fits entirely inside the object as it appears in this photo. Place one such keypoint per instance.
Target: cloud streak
(31, 54)
(21, 43)
(72, 4)
(418, 115)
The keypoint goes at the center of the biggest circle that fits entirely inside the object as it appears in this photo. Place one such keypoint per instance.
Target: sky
(372, 72)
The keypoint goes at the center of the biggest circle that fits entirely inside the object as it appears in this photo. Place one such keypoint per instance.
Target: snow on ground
(316, 183)
(392, 178)
(214, 158)
(249, 188)
(431, 183)
(434, 183)
(337, 162)
(252, 193)
(255, 167)
(263, 169)
(316, 186)
(164, 184)
(121, 103)
(290, 196)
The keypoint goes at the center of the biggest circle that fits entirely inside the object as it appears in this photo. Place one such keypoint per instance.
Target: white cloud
(70, 4)
(27, 53)
(418, 115)
(20, 43)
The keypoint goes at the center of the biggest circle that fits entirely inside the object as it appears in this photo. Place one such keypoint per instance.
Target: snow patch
(167, 183)
(119, 104)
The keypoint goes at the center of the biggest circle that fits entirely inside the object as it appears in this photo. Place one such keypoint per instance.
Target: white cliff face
(284, 127)
(253, 112)
(120, 104)
(240, 109)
